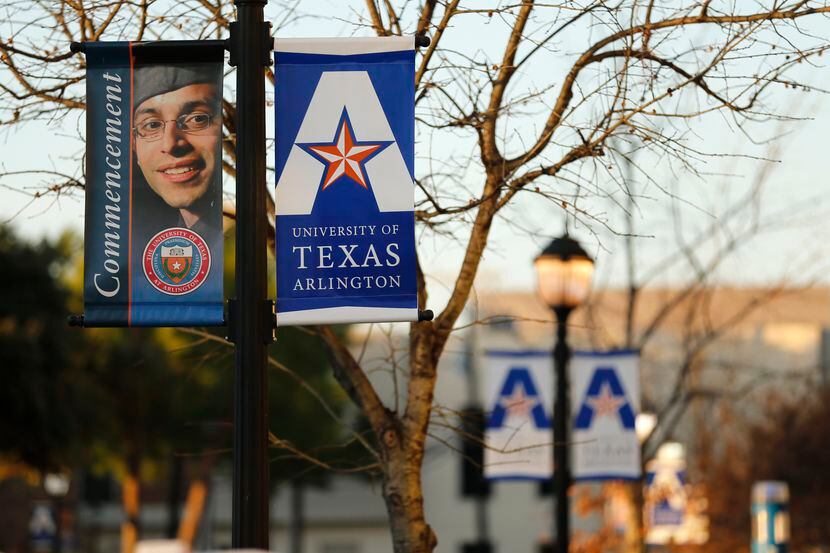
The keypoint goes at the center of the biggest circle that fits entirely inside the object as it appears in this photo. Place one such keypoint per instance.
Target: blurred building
(700, 347)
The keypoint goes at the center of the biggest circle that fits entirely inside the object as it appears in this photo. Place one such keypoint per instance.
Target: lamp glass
(671, 451)
(644, 425)
(56, 484)
(564, 282)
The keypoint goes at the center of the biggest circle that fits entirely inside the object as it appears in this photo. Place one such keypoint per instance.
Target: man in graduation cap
(178, 131)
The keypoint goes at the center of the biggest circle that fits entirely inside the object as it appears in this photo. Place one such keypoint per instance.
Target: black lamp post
(57, 486)
(564, 272)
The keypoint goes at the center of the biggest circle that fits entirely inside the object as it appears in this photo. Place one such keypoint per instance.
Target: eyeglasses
(153, 129)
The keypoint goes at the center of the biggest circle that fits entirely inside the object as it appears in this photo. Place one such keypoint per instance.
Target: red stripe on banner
(130, 231)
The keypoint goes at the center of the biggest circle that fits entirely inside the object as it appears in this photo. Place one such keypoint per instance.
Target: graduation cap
(152, 80)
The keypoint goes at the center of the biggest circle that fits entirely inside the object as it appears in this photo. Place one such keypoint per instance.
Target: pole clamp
(266, 43)
(75, 320)
(425, 315)
(269, 318)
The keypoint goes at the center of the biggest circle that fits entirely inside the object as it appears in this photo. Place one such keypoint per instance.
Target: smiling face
(179, 166)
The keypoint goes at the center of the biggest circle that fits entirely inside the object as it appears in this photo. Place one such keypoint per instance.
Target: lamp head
(564, 273)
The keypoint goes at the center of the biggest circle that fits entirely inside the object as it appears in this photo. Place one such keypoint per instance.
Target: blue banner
(153, 232)
(345, 226)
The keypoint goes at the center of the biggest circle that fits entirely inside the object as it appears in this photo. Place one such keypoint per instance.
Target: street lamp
(644, 425)
(57, 486)
(564, 272)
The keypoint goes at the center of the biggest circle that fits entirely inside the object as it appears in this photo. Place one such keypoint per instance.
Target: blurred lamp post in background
(564, 273)
(57, 486)
(644, 425)
(666, 495)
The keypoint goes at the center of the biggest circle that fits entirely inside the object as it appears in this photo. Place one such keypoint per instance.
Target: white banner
(675, 510)
(605, 400)
(518, 435)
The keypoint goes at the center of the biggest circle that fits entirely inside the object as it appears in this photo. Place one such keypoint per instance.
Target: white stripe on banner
(605, 400)
(342, 315)
(344, 46)
(518, 433)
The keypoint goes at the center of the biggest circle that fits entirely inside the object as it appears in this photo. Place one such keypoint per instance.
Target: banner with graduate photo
(518, 432)
(153, 245)
(605, 400)
(345, 226)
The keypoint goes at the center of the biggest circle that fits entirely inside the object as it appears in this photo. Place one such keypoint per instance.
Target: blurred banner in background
(518, 398)
(675, 511)
(605, 400)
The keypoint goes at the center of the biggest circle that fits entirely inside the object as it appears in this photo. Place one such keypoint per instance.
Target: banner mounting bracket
(267, 45)
(232, 318)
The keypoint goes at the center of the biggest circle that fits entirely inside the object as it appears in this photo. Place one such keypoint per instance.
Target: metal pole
(473, 424)
(297, 524)
(250, 328)
(561, 424)
(58, 524)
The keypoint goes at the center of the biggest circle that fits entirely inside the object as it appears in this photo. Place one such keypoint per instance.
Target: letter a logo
(605, 397)
(344, 134)
(518, 397)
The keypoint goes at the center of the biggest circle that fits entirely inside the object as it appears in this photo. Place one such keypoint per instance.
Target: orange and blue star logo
(345, 156)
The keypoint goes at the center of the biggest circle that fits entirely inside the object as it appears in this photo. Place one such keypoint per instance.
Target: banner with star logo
(605, 400)
(345, 225)
(518, 432)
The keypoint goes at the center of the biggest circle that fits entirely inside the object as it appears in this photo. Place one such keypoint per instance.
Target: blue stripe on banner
(177, 314)
(605, 477)
(545, 353)
(107, 223)
(289, 58)
(517, 478)
(345, 229)
(609, 353)
(521, 353)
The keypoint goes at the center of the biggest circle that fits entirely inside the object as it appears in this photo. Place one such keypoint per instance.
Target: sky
(673, 208)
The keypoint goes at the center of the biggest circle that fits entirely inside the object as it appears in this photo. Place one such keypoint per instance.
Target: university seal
(176, 261)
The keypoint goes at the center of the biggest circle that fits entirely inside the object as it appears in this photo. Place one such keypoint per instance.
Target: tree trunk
(193, 509)
(405, 502)
(634, 536)
(195, 502)
(402, 448)
(130, 501)
(173, 495)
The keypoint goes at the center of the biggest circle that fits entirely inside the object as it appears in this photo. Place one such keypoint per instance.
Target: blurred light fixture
(56, 484)
(644, 425)
(564, 273)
